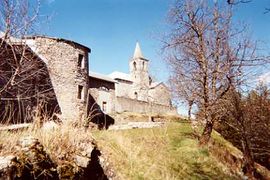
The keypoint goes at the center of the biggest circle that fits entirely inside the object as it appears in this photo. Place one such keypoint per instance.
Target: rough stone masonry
(76, 89)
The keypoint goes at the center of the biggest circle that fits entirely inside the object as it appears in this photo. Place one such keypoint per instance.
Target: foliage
(207, 55)
(246, 123)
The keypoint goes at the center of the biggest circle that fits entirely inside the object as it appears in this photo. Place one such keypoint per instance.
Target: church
(67, 87)
(133, 92)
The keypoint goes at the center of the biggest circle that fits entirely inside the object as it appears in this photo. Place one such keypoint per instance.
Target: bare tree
(18, 17)
(210, 53)
(246, 123)
(24, 79)
(183, 91)
(234, 2)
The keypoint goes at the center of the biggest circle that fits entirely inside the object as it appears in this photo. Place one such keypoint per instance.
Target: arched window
(143, 64)
(136, 95)
(134, 65)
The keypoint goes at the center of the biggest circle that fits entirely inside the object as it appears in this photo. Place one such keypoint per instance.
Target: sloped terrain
(168, 152)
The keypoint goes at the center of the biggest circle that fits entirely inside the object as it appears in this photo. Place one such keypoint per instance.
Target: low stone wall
(129, 105)
(135, 125)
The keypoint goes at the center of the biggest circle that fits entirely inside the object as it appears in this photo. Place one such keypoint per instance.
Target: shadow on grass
(94, 170)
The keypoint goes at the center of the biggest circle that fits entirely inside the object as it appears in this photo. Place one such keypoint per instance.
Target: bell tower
(139, 73)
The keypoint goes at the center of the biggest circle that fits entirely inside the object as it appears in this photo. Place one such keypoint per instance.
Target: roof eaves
(59, 39)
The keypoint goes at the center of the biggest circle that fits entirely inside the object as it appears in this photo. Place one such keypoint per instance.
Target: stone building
(64, 64)
(67, 62)
(102, 90)
(133, 92)
(76, 91)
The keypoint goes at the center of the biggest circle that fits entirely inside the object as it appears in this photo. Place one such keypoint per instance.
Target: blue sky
(111, 28)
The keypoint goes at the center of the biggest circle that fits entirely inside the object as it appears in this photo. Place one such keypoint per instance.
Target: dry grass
(60, 143)
(170, 152)
(160, 153)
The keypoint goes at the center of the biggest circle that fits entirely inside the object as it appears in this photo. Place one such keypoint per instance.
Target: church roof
(155, 84)
(101, 76)
(137, 52)
(120, 75)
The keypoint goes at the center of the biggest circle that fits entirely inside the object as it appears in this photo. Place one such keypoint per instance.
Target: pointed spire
(137, 52)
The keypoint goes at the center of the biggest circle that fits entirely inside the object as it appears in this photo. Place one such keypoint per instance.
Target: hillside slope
(170, 152)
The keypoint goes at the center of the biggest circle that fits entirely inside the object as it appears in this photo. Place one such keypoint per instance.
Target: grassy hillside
(170, 152)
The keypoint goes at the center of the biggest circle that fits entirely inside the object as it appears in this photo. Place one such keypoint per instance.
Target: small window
(81, 61)
(136, 95)
(134, 65)
(143, 64)
(80, 92)
(104, 106)
(150, 80)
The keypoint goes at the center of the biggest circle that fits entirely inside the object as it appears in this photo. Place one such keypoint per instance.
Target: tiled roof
(155, 84)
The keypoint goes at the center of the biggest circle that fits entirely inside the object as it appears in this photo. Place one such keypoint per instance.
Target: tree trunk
(249, 167)
(189, 111)
(205, 137)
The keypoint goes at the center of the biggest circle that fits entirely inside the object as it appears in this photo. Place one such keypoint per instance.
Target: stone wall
(70, 81)
(105, 99)
(123, 89)
(160, 95)
(130, 105)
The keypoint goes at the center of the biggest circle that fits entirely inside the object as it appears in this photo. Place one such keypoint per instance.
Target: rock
(68, 170)
(85, 148)
(7, 168)
(82, 161)
(50, 125)
(33, 161)
(27, 142)
(87, 152)
(15, 127)
(6, 162)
